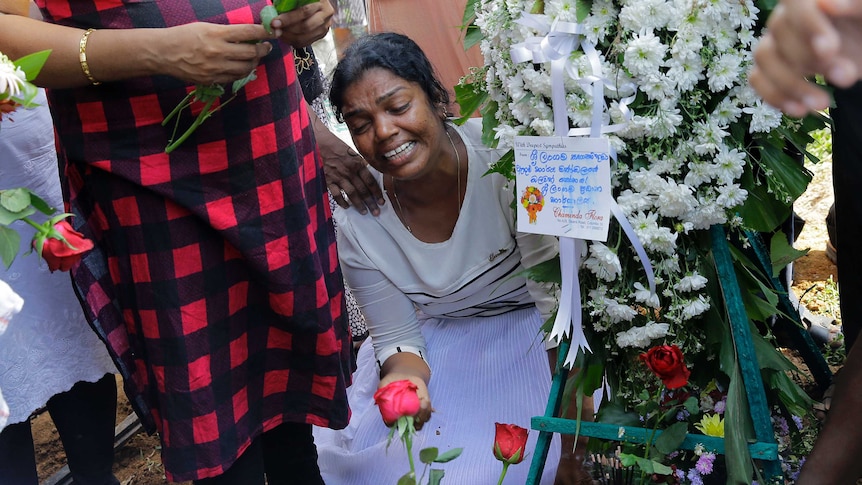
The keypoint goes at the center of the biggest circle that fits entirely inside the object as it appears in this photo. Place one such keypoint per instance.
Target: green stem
(503, 473)
(200, 119)
(408, 443)
(182, 105)
(29, 221)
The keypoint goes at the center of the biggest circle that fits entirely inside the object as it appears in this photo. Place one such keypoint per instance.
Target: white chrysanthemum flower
(695, 307)
(641, 337)
(645, 15)
(708, 213)
(603, 262)
(543, 127)
(644, 54)
(654, 237)
(728, 164)
(645, 296)
(675, 200)
(764, 118)
(618, 312)
(12, 78)
(646, 181)
(599, 23)
(691, 282)
(731, 195)
(658, 86)
(724, 72)
(726, 112)
(709, 136)
(631, 202)
(562, 10)
(687, 71)
(723, 37)
(699, 173)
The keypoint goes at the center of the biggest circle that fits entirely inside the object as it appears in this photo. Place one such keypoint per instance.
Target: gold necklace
(458, 195)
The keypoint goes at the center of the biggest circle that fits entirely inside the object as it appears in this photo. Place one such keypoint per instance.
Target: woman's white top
(49, 346)
(476, 272)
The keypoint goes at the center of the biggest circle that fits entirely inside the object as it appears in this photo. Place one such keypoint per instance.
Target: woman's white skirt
(483, 370)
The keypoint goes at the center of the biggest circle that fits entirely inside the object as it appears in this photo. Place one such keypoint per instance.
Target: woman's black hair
(393, 52)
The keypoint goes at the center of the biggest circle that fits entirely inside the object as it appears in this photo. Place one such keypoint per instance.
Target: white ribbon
(555, 43)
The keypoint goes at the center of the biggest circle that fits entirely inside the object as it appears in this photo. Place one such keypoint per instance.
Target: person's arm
(199, 52)
(391, 317)
(835, 457)
(346, 171)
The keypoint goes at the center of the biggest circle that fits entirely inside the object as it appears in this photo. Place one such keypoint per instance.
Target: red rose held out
(397, 399)
(668, 364)
(60, 254)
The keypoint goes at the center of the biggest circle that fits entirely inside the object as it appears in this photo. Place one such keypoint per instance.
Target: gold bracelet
(82, 56)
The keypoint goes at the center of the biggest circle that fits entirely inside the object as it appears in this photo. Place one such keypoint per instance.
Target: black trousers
(85, 417)
(286, 455)
(847, 180)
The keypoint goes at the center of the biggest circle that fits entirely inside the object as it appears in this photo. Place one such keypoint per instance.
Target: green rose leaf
(267, 14)
(449, 455)
(15, 200)
(428, 455)
(10, 243)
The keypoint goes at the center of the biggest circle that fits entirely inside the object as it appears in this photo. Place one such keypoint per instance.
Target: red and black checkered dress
(215, 280)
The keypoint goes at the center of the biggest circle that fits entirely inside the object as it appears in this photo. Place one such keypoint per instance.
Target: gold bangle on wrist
(82, 56)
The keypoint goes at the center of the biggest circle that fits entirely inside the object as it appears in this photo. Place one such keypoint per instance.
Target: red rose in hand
(61, 254)
(397, 399)
(509, 443)
(666, 362)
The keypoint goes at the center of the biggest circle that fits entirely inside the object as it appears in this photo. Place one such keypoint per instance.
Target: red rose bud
(60, 254)
(509, 443)
(666, 362)
(397, 399)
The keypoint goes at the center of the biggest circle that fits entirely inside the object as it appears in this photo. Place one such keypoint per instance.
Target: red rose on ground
(397, 399)
(509, 443)
(666, 362)
(60, 254)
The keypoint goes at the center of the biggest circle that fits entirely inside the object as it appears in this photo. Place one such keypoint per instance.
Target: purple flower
(682, 415)
(720, 405)
(704, 463)
(780, 425)
(795, 475)
(798, 422)
(694, 477)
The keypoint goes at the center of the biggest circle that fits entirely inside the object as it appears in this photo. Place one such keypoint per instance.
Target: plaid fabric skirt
(215, 280)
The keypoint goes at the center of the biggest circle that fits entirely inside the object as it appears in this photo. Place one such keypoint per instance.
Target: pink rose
(397, 399)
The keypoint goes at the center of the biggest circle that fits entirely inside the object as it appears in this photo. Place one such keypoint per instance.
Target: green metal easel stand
(764, 449)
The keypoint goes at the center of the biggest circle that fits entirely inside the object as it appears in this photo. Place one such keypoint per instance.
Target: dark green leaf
(449, 455)
(40, 205)
(428, 455)
(791, 395)
(782, 253)
(473, 36)
(671, 438)
(788, 176)
(283, 6)
(469, 99)
(469, 12)
(761, 211)
(583, 9)
(692, 405)
(647, 466)
(737, 430)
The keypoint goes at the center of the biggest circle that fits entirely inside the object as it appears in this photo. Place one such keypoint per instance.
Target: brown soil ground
(138, 462)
